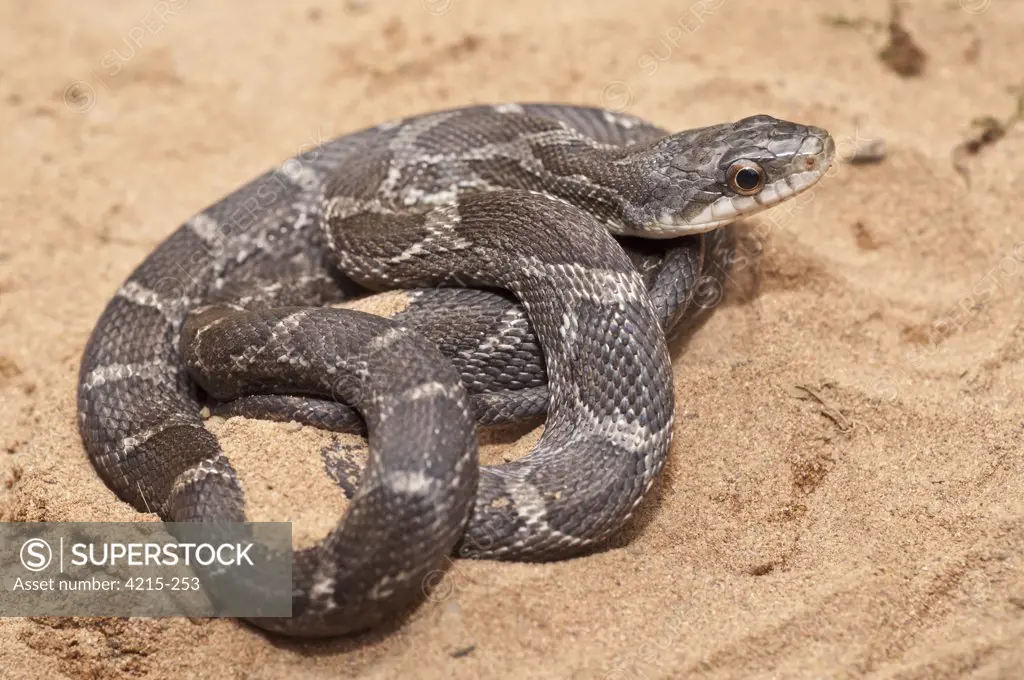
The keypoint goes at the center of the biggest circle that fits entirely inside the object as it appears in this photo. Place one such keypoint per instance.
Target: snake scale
(540, 254)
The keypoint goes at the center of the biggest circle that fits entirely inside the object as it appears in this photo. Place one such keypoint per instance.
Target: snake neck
(610, 182)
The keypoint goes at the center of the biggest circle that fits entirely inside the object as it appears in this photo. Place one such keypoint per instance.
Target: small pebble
(868, 151)
(462, 651)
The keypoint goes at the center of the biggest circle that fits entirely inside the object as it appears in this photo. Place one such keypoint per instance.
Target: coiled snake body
(499, 220)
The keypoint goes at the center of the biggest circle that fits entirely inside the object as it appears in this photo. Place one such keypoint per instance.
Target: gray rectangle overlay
(146, 569)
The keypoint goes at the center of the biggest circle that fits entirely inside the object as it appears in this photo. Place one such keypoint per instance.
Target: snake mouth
(805, 167)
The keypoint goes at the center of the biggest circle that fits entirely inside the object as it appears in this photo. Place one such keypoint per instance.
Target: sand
(845, 496)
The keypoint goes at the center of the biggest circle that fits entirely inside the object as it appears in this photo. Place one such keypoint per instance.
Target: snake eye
(745, 178)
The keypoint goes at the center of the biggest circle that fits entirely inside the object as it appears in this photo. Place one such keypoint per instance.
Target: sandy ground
(845, 496)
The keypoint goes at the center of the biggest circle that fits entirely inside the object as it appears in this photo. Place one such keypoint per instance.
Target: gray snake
(506, 227)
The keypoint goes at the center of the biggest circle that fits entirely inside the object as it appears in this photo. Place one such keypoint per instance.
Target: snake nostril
(809, 163)
(830, 147)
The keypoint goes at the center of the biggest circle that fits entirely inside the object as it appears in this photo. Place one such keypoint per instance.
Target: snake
(540, 256)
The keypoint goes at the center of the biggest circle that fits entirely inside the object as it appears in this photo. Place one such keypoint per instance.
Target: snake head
(701, 179)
